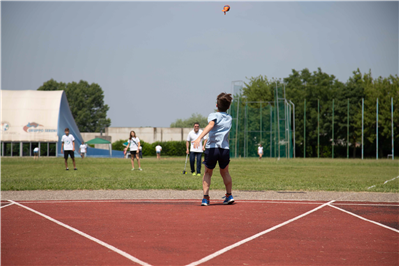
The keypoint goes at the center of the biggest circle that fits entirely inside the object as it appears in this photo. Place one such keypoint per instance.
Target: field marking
(365, 219)
(301, 202)
(217, 253)
(123, 253)
(7, 205)
(304, 202)
(310, 202)
(394, 204)
(390, 180)
(385, 182)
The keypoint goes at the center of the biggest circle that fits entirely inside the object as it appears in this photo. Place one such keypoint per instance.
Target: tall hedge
(169, 148)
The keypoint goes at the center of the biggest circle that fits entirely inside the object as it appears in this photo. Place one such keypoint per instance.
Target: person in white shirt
(195, 153)
(36, 153)
(260, 151)
(83, 148)
(68, 148)
(134, 144)
(158, 150)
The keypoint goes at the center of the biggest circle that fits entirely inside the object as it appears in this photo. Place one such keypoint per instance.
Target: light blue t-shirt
(219, 135)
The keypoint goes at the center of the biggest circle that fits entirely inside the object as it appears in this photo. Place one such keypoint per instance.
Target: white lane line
(217, 253)
(394, 204)
(385, 182)
(390, 180)
(124, 254)
(304, 202)
(6, 205)
(360, 217)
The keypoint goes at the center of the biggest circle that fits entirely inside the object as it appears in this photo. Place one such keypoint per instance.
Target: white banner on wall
(30, 115)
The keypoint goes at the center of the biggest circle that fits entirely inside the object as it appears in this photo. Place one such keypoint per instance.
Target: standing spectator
(195, 153)
(141, 152)
(134, 144)
(68, 148)
(36, 153)
(260, 151)
(158, 150)
(83, 147)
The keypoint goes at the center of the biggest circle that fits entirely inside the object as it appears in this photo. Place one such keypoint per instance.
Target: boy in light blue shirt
(217, 148)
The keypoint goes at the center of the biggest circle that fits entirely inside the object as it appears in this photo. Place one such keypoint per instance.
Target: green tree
(118, 145)
(383, 89)
(86, 102)
(317, 88)
(189, 122)
(354, 91)
(259, 89)
(52, 85)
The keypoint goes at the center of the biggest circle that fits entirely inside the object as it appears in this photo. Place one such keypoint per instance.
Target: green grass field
(248, 174)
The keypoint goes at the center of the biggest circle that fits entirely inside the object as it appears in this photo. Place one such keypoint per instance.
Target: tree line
(86, 102)
(320, 89)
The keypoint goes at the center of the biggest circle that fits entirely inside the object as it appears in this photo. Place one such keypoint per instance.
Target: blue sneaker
(205, 202)
(228, 199)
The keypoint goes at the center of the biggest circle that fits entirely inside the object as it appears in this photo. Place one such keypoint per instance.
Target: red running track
(180, 232)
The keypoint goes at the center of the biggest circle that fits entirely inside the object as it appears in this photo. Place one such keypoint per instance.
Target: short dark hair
(224, 101)
(196, 123)
(66, 129)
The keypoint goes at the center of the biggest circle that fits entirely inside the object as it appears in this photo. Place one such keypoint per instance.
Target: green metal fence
(259, 122)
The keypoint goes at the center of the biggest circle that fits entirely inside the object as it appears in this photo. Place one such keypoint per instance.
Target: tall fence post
(287, 132)
(304, 130)
(376, 132)
(393, 154)
(278, 123)
(260, 123)
(271, 131)
(237, 119)
(332, 143)
(362, 128)
(347, 138)
(293, 109)
(318, 128)
(246, 130)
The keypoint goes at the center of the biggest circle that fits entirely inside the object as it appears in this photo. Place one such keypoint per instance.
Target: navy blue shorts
(214, 155)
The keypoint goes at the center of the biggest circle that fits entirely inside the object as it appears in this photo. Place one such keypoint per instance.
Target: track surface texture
(181, 232)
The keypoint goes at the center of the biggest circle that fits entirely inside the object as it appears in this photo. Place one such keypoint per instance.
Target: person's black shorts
(71, 153)
(214, 155)
(133, 153)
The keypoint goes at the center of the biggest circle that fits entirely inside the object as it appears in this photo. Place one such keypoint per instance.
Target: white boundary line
(390, 180)
(217, 253)
(6, 205)
(385, 182)
(360, 217)
(394, 204)
(307, 202)
(120, 252)
(301, 202)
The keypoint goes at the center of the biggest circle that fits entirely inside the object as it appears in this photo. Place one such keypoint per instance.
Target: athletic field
(248, 174)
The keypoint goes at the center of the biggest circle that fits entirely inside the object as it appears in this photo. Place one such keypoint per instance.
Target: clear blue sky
(160, 61)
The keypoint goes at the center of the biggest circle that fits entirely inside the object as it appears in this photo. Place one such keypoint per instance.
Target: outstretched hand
(196, 143)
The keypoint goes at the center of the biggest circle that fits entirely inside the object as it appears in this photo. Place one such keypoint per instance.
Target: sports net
(266, 123)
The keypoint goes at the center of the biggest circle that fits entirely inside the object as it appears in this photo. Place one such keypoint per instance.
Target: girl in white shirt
(260, 151)
(134, 144)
